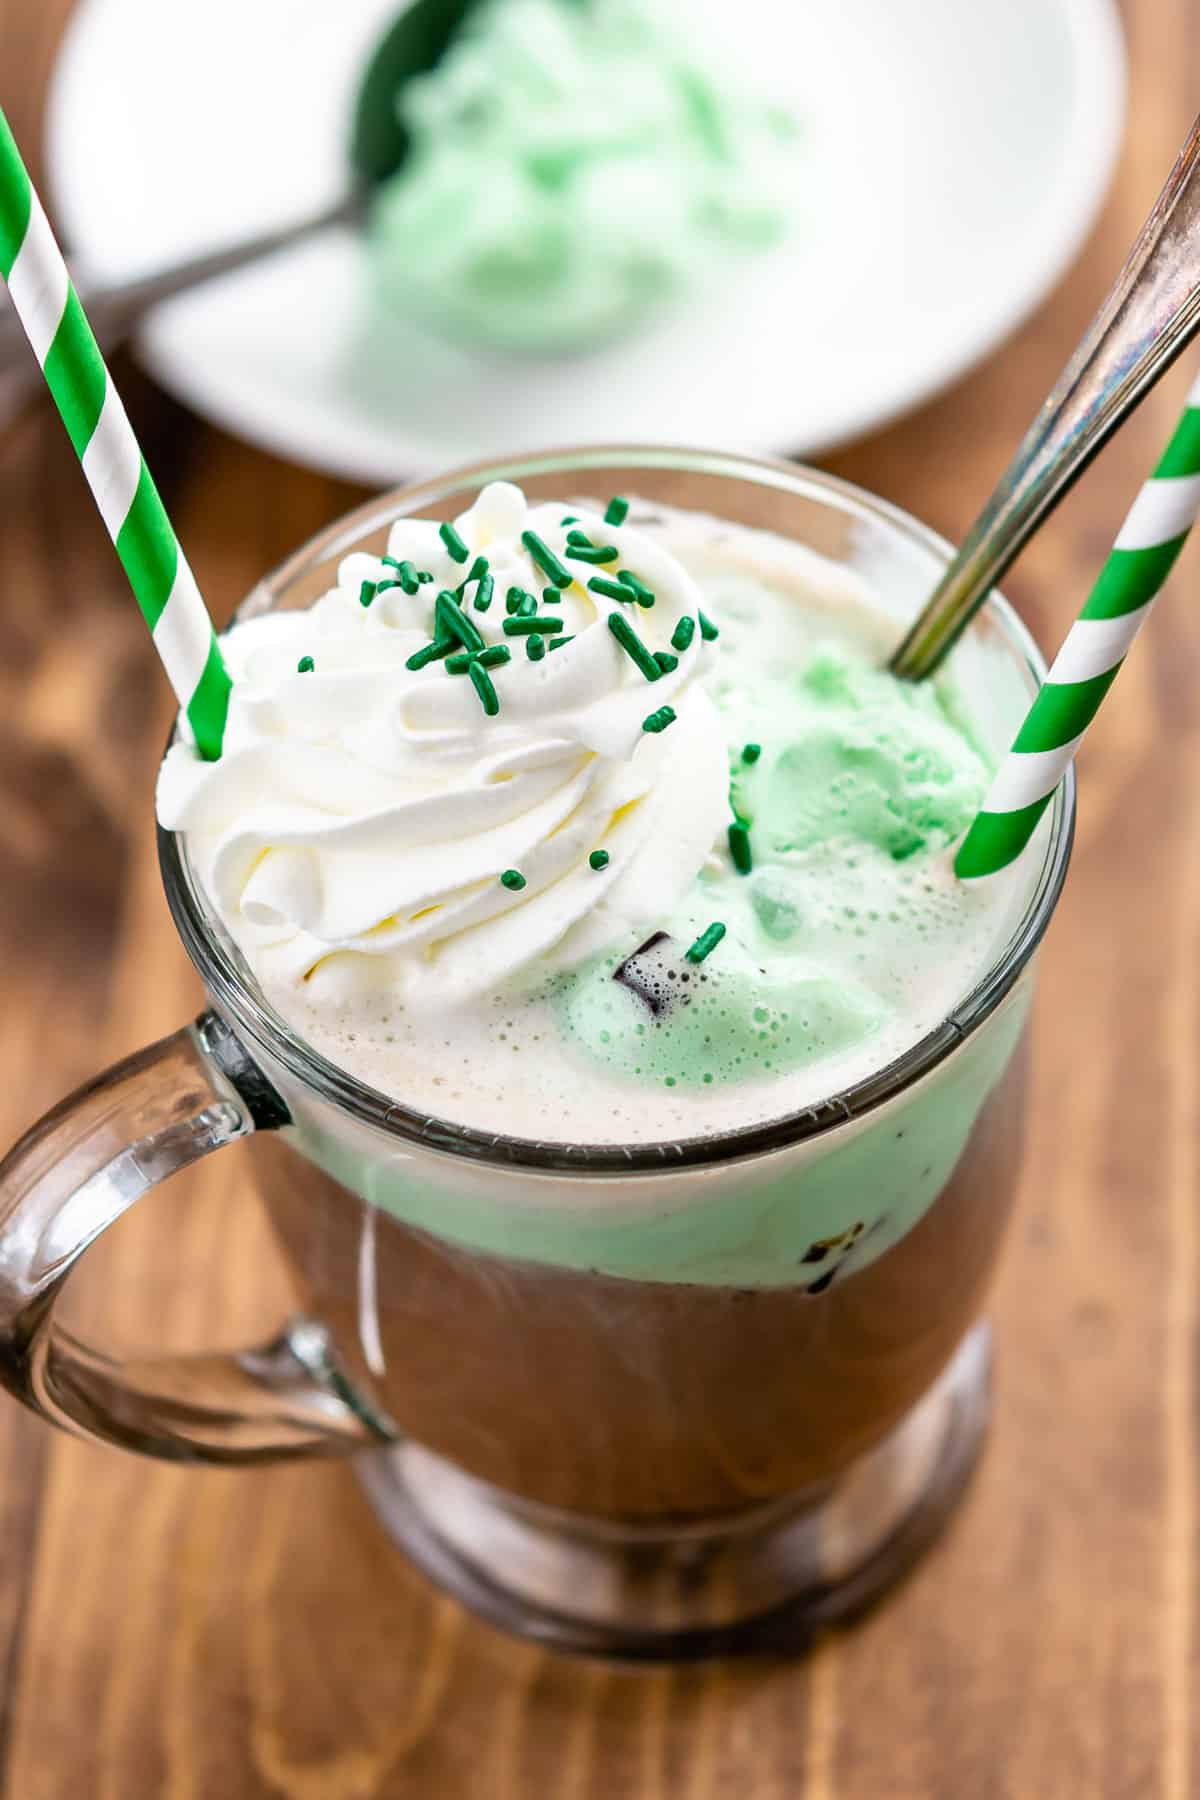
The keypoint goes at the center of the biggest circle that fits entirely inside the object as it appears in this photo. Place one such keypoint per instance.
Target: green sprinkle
(708, 630)
(491, 658)
(633, 646)
(424, 575)
(683, 633)
(666, 662)
(546, 560)
(751, 753)
(408, 575)
(739, 847)
(617, 510)
(579, 537)
(529, 627)
(645, 595)
(527, 607)
(612, 590)
(658, 721)
(431, 653)
(571, 519)
(706, 943)
(481, 681)
(535, 647)
(551, 597)
(513, 880)
(557, 643)
(476, 572)
(593, 553)
(305, 666)
(598, 859)
(451, 621)
(367, 593)
(381, 587)
(453, 543)
(484, 592)
(514, 597)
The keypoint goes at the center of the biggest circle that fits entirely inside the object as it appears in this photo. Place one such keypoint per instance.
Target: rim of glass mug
(234, 991)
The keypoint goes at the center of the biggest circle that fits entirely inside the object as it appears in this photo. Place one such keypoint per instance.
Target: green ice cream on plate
(574, 166)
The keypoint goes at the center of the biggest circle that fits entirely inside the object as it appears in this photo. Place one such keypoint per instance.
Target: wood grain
(230, 1637)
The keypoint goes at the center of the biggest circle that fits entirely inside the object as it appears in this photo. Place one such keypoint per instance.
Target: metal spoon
(413, 44)
(1150, 314)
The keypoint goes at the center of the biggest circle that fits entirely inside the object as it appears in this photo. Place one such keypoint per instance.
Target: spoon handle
(1150, 314)
(116, 307)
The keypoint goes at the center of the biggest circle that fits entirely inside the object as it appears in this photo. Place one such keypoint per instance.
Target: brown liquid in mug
(646, 1400)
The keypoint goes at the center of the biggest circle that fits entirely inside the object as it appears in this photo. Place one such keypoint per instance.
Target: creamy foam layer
(355, 834)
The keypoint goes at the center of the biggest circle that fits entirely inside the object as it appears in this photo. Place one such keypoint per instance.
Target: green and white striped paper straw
(47, 305)
(1152, 536)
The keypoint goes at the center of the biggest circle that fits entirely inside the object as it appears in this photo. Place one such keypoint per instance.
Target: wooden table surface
(223, 1636)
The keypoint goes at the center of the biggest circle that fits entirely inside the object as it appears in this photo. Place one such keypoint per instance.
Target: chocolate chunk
(840, 1245)
(652, 972)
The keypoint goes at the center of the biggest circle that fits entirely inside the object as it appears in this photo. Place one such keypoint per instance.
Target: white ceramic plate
(959, 150)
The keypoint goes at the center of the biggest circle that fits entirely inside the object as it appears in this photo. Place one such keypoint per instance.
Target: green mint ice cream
(572, 167)
(853, 788)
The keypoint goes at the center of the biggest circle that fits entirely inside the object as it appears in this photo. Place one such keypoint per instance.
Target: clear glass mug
(642, 1467)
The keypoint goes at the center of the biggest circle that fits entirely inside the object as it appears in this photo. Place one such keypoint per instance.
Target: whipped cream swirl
(357, 824)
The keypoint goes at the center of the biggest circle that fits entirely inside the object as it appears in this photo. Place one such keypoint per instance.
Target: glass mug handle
(70, 1177)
